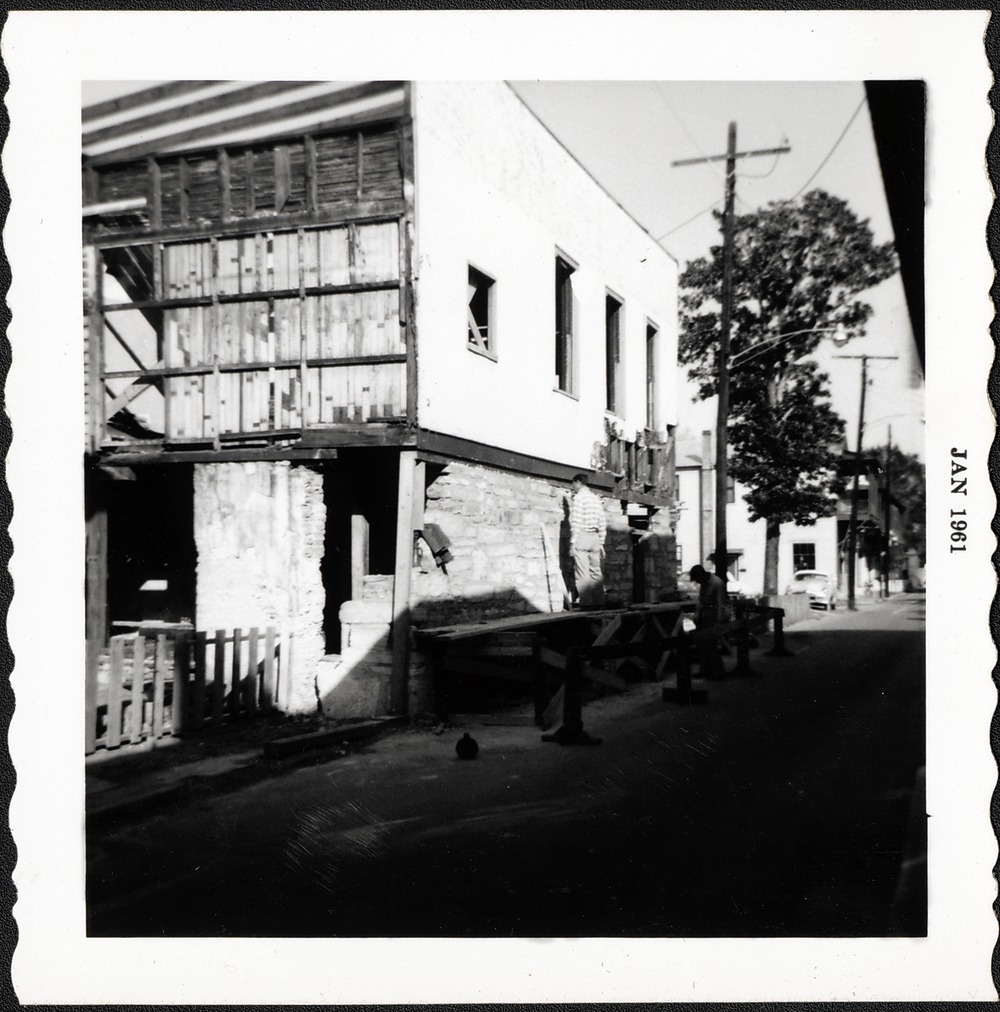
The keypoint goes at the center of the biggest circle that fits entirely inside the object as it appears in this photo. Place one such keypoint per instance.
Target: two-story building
(346, 346)
(821, 546)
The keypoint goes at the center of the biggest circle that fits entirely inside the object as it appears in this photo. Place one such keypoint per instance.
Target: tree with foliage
(908, 483)
(798, 269)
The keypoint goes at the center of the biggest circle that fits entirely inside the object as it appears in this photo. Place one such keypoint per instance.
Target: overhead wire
(693, 217)
(836, 144)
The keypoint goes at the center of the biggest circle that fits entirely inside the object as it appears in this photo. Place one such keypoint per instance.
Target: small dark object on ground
(467, 747)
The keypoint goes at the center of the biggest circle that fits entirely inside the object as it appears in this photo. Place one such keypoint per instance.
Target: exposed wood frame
(368, 212)
(188, 139)
(201, 107)
(97, 599)
(202, 370)
(95, 359)
(359, 554)
(225, 184)
(135, 99)
(407, 240)
(398, 702)
(262, 295)
(441, 448)
(185, 190)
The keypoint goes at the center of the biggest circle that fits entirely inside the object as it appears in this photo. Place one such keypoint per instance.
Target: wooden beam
(139, 98)
(178, 114)
(401, 582)
(419, 489)
(97, 599)
(202, 370)
(367, 212)
(407, 289)
(95, 359)
(359, 555)
(442, 448)
(189, 139)
(258, 296)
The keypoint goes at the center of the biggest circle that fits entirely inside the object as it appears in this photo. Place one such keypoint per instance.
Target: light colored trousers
(588, 555)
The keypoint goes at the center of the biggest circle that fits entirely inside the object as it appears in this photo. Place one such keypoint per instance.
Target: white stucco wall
(747, 537)
(497, 191)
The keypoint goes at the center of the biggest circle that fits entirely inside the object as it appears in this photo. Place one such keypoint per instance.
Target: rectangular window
(613, 354)
(730, 489)
(564, 325)
(481, 315)
(803, 555)
(651, 342)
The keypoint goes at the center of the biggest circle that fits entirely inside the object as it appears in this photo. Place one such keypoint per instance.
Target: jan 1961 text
(959, 486)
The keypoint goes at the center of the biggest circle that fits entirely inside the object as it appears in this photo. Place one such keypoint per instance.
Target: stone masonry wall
(503, 563)
(259, 532)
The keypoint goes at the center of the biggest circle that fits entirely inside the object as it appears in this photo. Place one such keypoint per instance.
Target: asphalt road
(789, 805)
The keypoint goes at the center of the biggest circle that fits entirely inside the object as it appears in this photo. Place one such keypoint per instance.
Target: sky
(627, 133)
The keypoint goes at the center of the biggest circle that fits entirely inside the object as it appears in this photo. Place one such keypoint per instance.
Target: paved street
(782, 807)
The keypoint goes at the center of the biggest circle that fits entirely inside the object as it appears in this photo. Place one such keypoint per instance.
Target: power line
(693, 217)
(836, 144)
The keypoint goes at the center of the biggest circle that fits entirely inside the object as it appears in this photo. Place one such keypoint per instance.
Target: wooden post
(97, 600)
(159, 684)
(359, 555)
(234, 698)
(182, 662)
(252, 671)
(779, 650)
(219, 687)
(138, 696)
(742, 642)
(267, 693)
(401, 582)
(198, 709)
(115, 676)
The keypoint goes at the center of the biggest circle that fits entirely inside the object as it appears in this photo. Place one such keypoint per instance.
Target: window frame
(489, 349)
(564, 331)
(797, 553)
(652, 375)
(614, 365)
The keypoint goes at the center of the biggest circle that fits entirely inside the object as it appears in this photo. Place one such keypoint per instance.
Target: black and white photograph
(516, 533)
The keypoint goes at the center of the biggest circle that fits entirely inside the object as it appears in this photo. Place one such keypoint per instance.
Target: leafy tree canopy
(798, 269)
(907, 479)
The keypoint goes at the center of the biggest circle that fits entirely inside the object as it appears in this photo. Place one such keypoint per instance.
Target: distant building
(346, 345)
(822, 546)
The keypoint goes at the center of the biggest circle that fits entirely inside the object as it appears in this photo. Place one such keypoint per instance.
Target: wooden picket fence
(166, 682)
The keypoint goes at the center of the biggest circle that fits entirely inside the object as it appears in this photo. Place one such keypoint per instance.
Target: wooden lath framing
(320, 308)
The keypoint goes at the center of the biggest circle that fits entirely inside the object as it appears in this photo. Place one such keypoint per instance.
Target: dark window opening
(480, 316)
(651, 386)
(803, 556)
(613, 354)
(564, 326)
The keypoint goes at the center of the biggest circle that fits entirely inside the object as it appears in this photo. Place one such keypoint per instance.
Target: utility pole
(722, 412)
(888, 515)
(852, 533)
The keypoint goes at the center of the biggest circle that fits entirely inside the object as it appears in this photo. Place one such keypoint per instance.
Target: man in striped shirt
(587, 527)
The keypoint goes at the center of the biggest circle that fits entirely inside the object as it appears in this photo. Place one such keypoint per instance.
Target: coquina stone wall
(510, 546)
(259, 532)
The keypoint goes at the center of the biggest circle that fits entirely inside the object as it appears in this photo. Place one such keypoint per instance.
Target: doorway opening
(360, 489)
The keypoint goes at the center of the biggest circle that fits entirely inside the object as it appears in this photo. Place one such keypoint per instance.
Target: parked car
(821, 587)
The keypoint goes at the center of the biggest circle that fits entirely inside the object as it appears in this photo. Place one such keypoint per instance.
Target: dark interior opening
(360, 482)
(151, 551)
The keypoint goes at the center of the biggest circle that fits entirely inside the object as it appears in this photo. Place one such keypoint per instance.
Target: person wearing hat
(587, 529)
(712, 605)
